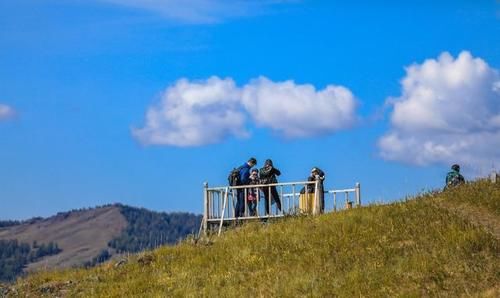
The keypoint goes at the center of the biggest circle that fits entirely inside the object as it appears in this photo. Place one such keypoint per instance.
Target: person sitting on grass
(454, 178)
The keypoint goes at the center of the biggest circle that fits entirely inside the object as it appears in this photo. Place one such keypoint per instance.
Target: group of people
(248, 175)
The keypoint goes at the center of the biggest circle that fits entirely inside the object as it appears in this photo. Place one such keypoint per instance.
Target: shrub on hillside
(147, 229)
(9, 223)
(14, 256)
(103, 256)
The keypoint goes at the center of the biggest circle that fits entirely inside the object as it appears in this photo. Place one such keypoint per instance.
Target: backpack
(234, 177)
(454, 179)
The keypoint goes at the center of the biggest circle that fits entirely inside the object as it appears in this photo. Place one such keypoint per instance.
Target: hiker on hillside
(268, 176)
(253, 193)
(244, 179)
(454, 178)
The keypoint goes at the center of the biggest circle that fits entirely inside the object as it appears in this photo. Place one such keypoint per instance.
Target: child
(253, 192)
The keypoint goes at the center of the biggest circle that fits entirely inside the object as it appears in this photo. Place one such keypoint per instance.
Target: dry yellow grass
(413, 248)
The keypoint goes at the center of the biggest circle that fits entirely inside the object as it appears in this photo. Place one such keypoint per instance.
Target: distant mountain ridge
(90, 236)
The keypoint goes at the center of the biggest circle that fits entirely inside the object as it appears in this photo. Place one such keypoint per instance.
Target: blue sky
(97, 96)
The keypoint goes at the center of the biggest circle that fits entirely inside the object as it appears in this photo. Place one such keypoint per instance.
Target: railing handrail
(333, 191)
(341, 190)
(223, 188)
(219, 188)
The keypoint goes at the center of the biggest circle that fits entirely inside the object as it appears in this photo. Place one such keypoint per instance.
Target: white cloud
(199, 11)
(299, 110)
(205, 112)
(449, 111)
(194, 113)
(6, 112)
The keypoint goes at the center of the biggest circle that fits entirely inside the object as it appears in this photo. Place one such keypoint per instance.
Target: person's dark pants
(240, 203)
(321, 198)
(252, 208)
(322, 202)
(274, 195)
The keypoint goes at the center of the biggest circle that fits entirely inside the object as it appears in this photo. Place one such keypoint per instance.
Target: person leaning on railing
(268, 176)
(317, 173)
(244, 180)
(307, 197)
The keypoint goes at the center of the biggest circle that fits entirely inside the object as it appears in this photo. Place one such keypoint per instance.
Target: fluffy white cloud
(194, 113)
(205, 112)
(6, 112)
(199, 11)
(449, 111)
(299, 110)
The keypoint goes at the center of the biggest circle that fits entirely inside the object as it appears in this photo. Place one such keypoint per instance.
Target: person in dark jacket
(454, 178)
(244, 180)
(306, 203)
(268, 176)
(317, 173)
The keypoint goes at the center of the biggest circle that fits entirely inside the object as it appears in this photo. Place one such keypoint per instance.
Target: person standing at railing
(253, 193)
(244, 180)
(307, 196)
(268, 176)
(318, 174)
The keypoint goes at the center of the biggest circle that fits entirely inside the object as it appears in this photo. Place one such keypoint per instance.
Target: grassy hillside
(88, 236)
(424, 246)
(81, 234)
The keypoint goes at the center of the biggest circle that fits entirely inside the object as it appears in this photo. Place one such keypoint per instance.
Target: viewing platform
(296, 198)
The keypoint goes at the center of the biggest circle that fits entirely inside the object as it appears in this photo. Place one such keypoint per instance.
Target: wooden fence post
(358, 194)
(205, 207)
(494, 177)
(317, 198)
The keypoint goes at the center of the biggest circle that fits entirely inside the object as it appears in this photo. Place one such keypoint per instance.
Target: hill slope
(85, 234)
(416, 248)
(81, 235)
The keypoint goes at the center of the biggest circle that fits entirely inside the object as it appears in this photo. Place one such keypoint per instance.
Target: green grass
(414, 248)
